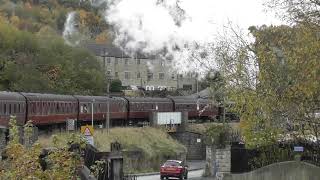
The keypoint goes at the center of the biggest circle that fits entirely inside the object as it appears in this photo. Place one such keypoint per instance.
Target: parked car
(174, 168)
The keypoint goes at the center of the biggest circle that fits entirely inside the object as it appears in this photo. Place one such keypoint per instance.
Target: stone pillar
(153, 119)
(208, 171)
(184, 121)
(218, 161)
(223, 160)
(2, 139)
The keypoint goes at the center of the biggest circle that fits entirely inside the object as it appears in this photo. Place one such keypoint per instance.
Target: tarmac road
(191, 174)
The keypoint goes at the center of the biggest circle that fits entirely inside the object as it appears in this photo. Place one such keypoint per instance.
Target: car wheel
(161, 177)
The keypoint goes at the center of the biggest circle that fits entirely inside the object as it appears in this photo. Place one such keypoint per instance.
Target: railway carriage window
(61, 107)
(15, 108)
(85, 109)
(66, 108)
(49, 108)
(10, 109)
(58, 108)
(5, 109)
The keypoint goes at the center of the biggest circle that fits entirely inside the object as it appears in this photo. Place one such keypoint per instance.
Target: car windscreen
(171, 163)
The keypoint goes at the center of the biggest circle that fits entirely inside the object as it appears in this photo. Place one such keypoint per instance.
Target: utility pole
(108, 116)
(92, 112)
(224, 111)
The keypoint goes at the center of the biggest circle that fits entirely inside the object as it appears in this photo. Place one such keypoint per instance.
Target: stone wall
(291, 170)
(218, 161)
(194, 142)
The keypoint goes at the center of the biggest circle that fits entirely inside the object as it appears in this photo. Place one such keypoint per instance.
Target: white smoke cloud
(70, 29)
(186, 29)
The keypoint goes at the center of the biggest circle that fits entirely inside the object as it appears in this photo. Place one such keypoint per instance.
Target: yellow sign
(87, 130)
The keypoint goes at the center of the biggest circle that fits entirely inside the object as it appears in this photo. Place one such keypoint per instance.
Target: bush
(218, 135)
(25, 162)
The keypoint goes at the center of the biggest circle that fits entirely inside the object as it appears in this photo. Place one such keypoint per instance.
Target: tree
(306, 11)
(116, 86)
(273, 81)
(45, 63)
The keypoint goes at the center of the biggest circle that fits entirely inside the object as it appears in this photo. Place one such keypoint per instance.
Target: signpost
(298, 148)
(87, 131)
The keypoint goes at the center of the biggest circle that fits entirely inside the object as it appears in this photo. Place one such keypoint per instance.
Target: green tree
(273, 81)
(44, 63)
(116, 85)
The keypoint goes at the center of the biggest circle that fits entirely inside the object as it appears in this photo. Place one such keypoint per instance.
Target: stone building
(149, 72)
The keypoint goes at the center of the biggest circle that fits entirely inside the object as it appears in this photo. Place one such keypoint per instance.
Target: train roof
(147, 99)
(48, 97)
(183, 99)
(98, 98)
(4, 95)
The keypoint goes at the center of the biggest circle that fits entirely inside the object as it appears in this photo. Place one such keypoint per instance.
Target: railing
(130, 177)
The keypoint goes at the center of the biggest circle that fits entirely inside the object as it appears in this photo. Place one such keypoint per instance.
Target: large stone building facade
(149, 72)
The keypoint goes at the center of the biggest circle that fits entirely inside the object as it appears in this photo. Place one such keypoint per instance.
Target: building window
(127, 75)
(181, 76)
(116, 74)
(108, 60)
(138, 61)
(187, 87)
(150, 76)
(108, 72)
(138, 75)
(172, 76)
(116, 60)
(126, 61)
(161, 75)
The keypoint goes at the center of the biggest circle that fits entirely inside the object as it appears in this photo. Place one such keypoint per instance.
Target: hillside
(49, 16)
(45, 63)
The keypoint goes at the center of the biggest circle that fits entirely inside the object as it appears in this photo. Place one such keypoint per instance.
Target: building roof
(113, 51)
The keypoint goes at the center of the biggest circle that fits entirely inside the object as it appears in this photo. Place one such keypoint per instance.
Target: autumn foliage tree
(23, 162)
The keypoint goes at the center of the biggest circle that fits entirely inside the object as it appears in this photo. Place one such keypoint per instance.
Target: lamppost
(108, 116)
(92, 112)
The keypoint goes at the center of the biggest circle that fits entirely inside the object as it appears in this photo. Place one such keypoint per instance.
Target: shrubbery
(26, 162)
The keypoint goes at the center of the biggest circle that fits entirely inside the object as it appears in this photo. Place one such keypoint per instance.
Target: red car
(174, 168)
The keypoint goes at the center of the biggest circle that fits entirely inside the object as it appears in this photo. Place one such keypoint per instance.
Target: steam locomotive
(52, 109)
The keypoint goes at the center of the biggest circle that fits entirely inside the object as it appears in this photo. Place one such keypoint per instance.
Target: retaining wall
(290, 170)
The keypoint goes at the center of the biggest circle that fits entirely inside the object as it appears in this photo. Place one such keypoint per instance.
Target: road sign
(90, 140)
(298, 149)
(87, 130)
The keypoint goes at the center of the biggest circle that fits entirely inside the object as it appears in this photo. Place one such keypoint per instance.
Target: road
(191, 174)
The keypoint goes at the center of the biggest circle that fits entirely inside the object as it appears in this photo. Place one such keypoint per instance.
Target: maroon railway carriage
(139, 108)
(196, 108)
(44, 109)
(207, 109)
(117, 108)
(12, 103)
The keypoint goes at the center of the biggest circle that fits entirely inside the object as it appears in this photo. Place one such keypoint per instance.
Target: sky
(152, 25)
